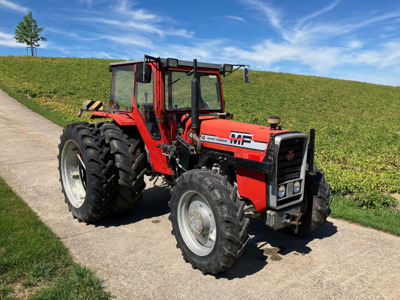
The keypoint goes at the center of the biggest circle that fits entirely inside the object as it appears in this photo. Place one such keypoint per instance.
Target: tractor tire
(316, 205)
(208, 221)
(129, 167)
(85, 173)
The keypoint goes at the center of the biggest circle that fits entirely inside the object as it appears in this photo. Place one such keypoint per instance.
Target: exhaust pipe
(195, 109)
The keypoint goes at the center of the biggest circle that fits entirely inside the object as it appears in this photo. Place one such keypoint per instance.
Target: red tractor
(169, 120)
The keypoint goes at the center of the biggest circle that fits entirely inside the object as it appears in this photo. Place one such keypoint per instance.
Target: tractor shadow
(267, 246)
(154, 204)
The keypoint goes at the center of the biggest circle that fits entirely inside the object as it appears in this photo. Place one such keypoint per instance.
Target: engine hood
(228, 135)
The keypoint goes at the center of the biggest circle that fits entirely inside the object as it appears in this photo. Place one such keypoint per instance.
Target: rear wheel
(208, 221)
(85, 173)
(129, 167)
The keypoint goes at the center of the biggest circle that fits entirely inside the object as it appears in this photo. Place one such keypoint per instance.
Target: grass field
(33, 261)
(357, 124)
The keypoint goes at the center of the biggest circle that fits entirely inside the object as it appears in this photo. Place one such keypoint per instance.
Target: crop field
(357, 124)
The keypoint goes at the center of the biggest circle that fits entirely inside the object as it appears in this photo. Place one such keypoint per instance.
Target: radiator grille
(289, 168)
(290, 158)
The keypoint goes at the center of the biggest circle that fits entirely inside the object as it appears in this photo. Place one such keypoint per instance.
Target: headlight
(296, 187)
(281, 191)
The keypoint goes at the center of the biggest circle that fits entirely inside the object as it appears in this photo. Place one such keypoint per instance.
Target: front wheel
(315, 207)
(208, 221)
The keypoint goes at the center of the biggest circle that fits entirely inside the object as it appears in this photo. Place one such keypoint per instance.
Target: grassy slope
(357, 124)
(33, 261)
(55, 86)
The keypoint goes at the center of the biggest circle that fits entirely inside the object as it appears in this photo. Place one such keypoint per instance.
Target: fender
(120, 118)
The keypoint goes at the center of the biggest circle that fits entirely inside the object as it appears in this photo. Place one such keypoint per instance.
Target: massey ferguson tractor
(168, 119)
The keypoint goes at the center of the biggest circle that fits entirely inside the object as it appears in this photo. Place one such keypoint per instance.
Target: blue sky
(355, 40)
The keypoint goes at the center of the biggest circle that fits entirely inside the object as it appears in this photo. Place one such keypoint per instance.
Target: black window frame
(166, 93)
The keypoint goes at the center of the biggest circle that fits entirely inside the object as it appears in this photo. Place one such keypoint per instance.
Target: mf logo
(240, 138)
(290, 155)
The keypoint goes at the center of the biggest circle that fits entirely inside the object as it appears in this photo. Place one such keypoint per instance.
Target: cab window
(144, 96)
(122, 88)
(177, 91)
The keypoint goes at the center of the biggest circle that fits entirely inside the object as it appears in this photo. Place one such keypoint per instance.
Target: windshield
(178, 91)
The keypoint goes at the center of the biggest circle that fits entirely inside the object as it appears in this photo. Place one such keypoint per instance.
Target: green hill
(357, 124)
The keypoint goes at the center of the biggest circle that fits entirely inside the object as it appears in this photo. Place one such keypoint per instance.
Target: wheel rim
(197, 223)
(73, 173)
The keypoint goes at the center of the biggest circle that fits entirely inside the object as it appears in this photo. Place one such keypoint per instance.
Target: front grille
(289, 168)
(290, 158)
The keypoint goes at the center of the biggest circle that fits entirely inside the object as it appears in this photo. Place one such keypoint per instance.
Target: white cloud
(140, 28)
(392, 54)
(316, 45)
(354, 44)
(7, 40)
(71, 34)
(125, 8)
(317, 13)
(13, 6)
(236, 18)
(188, 52)
(90, 3)
(126, 25)
(128, 40)
(272, 14)
(131, 19)
(375, 19)
(304, 31)
(202, 49)
(268, 53)
(323, 61)
(103, 54)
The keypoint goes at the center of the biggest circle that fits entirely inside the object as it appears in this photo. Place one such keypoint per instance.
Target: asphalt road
(136, 256)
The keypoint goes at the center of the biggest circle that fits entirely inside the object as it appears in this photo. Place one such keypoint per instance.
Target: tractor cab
(155, 95)
(165, 86)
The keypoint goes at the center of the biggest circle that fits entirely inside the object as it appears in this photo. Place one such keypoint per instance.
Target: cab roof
(183, 63)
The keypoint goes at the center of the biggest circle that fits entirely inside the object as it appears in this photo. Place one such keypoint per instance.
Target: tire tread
(233, 223)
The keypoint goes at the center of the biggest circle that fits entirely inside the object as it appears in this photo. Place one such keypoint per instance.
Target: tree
(28, 32)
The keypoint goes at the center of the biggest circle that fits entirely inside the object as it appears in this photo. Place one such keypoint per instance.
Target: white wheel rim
(73, 173)
(196, 223)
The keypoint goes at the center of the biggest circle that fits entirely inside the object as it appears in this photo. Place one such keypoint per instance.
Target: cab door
(146, 98)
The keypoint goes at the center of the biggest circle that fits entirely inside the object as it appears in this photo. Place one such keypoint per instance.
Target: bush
(374, 199)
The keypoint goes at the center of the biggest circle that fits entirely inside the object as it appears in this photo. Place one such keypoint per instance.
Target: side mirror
(143, 73)
(246, 73)
(229, 69)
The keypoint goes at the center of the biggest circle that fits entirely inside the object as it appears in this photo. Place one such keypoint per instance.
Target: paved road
(136, 254)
